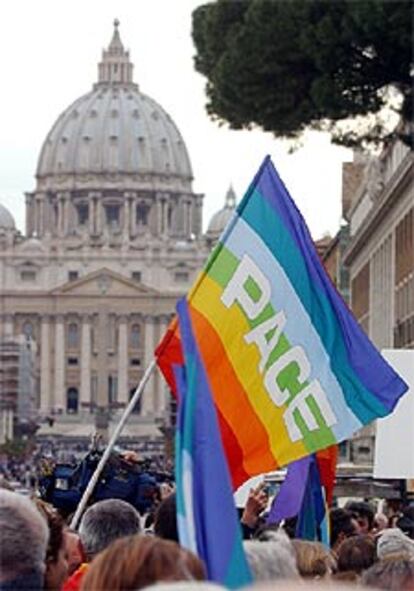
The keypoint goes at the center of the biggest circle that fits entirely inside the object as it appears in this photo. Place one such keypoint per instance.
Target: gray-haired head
(272, 560)
(24, 537)
(105, 522)
(392, 542)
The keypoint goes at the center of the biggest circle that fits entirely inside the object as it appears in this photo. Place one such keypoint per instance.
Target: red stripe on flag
(327, 460)
(169, 353)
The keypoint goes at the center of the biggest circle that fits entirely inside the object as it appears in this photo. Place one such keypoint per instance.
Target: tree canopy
(289, 65)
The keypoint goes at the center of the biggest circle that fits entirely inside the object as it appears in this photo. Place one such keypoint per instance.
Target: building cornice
(389, 197)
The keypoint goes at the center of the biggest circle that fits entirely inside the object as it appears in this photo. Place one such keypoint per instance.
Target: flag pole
(92, 483)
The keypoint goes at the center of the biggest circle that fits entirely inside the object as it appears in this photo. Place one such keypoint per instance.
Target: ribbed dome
(6, 219)
(221, 218)
(114, 129)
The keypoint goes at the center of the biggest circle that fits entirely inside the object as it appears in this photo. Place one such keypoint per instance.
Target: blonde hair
(313, 559)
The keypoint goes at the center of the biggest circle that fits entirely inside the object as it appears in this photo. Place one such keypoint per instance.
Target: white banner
(394, 444)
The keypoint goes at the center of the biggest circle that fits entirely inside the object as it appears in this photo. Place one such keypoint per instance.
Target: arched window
(137, 408)
(135, 336)
(72, 401)
(73, 336)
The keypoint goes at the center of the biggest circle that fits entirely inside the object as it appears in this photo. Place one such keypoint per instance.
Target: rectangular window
(142, 211)
(112, 215)
(181, 277)
(28, 275)
(135, 362)
(136, 276)
(112, 389)
(72, 361)
(73, 275)
(83, 214)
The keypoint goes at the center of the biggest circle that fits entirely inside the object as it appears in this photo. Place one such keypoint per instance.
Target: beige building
(113, 238)
(379, 205)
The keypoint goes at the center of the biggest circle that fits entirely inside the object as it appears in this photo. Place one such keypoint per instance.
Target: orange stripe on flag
(231, 399)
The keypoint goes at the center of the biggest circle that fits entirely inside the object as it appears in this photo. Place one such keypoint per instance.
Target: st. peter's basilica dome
(115, 129)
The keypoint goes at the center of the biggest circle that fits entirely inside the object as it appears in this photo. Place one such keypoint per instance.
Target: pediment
(104, 282)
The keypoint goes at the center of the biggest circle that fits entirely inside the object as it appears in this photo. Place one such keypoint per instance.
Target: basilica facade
(113, 238)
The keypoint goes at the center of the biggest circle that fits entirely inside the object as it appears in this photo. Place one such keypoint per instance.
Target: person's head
(406, 521)
(74, 550)
(393, 574)
(23, 537)
(137, 561)
(271, 560)
(392, 542)
(342, 526)
(165, 523)
(357, 554)
(313, 559)
(105, 522)
(56, 561)
(363, 514)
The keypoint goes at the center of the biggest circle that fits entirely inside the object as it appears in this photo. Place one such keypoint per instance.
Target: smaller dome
(6, 219)
(221, 218)
(32, 245)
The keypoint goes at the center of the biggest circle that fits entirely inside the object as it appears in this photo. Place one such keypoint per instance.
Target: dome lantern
(221, 218)
(115, 67)
(230, 200)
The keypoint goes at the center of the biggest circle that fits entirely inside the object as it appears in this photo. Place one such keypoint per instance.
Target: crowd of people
(24, 471)
(116, 548)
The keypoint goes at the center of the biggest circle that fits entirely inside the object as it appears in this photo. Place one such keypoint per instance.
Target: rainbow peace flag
(289, 368)
(207, 519)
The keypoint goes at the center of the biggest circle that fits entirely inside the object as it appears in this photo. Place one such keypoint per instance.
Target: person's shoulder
(74, 581)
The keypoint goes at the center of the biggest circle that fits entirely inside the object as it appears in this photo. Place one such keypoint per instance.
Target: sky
(49, 54)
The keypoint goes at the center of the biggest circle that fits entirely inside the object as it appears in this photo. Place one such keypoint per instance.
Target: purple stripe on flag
(290, 497)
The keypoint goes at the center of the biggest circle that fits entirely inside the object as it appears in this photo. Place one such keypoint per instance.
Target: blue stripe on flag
(206, 513)
(371, 386)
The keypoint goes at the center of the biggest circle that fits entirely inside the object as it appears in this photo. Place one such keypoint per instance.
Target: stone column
(148, 400)
(59, 393)
(66, 215)
(133, 217)
(85, 372)
(37, 216)
(183, 205)
(123, 360)
(45, 377)
(159, 228)
(91, 203)
(102, 333)
(60, 214)
(29, 214)
(98, 216)
(190, 218)
(165, 228)
(126, 217)
(102, 414)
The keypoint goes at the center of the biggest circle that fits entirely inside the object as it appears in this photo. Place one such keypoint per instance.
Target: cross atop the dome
(116, 43)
